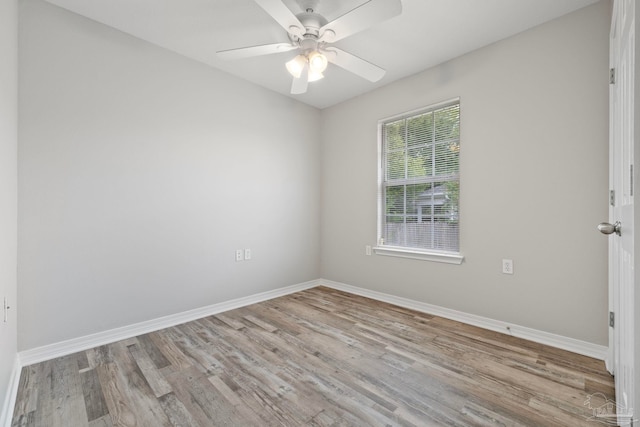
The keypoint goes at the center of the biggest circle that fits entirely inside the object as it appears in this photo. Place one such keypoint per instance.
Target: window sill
(448, 258)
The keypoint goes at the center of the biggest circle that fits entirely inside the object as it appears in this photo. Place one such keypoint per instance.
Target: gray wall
(8, 186)
(140, 173)
(534, 132)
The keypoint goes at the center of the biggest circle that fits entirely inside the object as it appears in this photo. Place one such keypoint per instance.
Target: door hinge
(612, 319)
(612, 197)
(612, 76)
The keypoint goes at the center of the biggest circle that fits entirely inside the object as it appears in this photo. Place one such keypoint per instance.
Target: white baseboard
(541, 337)
(51, 351)
(9, 403)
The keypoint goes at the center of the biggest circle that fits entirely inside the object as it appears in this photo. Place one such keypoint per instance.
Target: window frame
(450, 257)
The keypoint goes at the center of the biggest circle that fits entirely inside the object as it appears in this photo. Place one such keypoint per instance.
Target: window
(420, 184)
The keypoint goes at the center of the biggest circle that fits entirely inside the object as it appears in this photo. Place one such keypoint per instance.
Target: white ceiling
(427, 33)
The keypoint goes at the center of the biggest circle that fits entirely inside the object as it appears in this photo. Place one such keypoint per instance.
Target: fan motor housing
(312, 23)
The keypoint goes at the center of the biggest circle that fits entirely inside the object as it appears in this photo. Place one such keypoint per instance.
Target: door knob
(606, 228)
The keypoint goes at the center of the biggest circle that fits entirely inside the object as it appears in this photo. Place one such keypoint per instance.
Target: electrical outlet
(247, 254)
(239, 255)
(367, 250)
(507, 266)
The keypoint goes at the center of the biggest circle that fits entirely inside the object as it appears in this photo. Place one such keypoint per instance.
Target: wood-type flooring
(319, 357)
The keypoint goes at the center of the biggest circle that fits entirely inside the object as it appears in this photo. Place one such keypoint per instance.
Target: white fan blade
(356, 65)
(283, 16)
(299, 85)
(360, 18)
(247, 52)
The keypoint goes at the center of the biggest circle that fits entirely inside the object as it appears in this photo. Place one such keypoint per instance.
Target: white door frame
(620, 360)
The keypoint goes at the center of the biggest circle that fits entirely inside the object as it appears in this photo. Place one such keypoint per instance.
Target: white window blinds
(420, 180)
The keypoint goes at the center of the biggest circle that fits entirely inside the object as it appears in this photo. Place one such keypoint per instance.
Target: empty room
(318, 213)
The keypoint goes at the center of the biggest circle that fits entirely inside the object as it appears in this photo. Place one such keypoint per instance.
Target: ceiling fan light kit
(317, 64)
(311, 34)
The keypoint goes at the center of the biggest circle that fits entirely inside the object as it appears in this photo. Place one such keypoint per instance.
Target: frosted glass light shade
(296, 65)
(317, 62)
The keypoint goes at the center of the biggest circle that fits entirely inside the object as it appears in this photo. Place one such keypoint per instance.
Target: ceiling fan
(312, 35)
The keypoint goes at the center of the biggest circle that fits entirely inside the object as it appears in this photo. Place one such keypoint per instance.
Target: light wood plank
(154, 378)
(95, 403)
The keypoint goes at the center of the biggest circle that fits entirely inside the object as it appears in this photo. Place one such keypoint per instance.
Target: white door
(621, 250)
